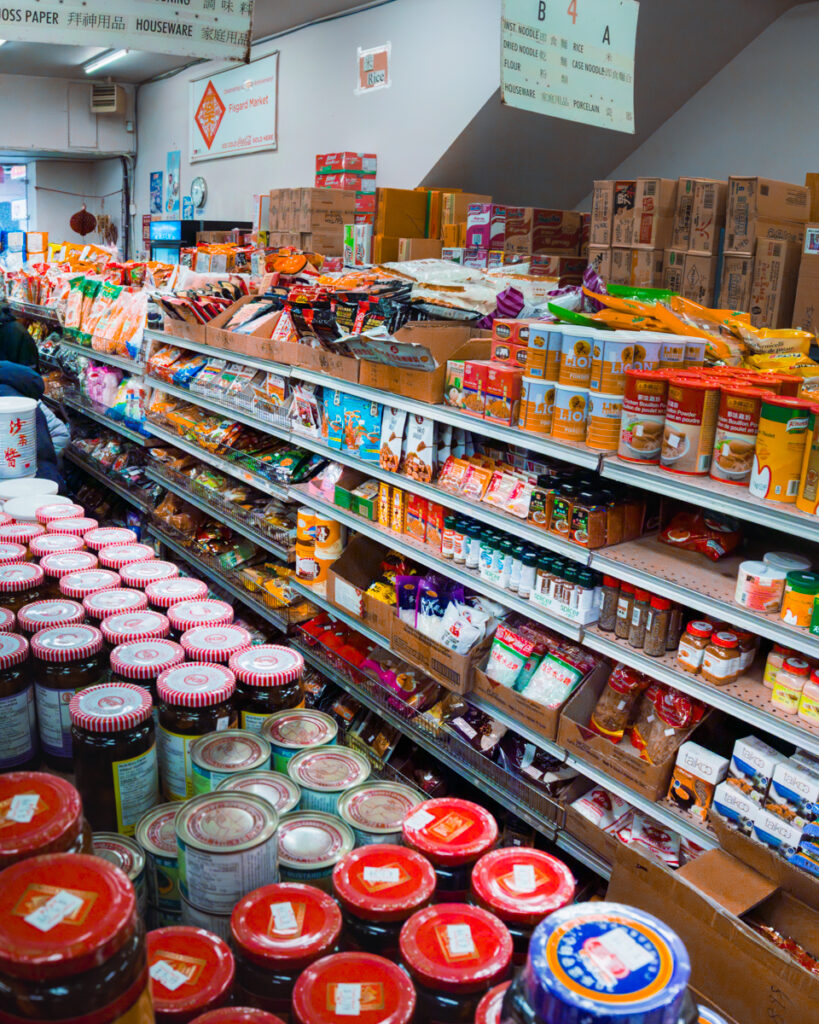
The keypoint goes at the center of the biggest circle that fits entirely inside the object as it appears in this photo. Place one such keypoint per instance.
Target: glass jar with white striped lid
(268, 679)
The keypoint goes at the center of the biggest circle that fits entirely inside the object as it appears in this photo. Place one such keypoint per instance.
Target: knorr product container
(643, 417)
(780, 448)
(737, 429)
(690, 425)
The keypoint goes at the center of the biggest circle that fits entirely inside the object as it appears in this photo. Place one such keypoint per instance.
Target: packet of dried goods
(708, 533)
(614, 705)
(507, 656)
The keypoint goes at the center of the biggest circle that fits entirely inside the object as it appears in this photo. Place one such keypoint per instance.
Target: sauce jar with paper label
(191, 972)
(789, 684)
(42, 813)
(353, 986)
(114, 755)
(46, 614)
(113, 602)
(18, 716)
(215, 644)
(187, 615)
(693, 642)
(61, 563)
(21, 583)
(163, 594)
(138, 575)
(721, 658)
(268, 679)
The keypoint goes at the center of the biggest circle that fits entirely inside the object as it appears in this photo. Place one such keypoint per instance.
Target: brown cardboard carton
(673, 268)
(450, 235)
(419, 248)
(806, 303)
(621, 266)
(735, 283)
(753, 199)
(776, 267)
(518, 229)
(646, 268)
(454, 671)
(602, 215)
(681, 231)
(556, 232)
(623, 216)
(310, 209)
(309, 358)
(707, 216)
(600, 258)
(243, 344)
(350, 576)
(534, 716)
(766, 230)
(699, 278)
(455, 207)
(401, 213)
(812, 184)
(385, 249)
(655, 200)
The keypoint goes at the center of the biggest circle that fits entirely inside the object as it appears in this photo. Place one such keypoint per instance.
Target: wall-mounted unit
(107, 98)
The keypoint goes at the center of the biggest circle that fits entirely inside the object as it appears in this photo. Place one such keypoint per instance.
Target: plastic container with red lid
(357, 986)
(73, 527)
(215, 644)
(71, 943)
(278, 931)
(55, 543)
(140, 574)
(112, 602)
(191, 972)
(106, 536)
(186, 615)
(42, 814)
(379, 887)
(79, 585)
(454, 953)
(52, 511)
(114, 755)
(44, 614)
(125, 627)
(193, 700)
(10, 553)
(165, 593)
(20, 533)
(454, 834)
(21, 583)
(115, 556)
(268, 679)
(521, 886)
(490, 1007)
(237, 1015)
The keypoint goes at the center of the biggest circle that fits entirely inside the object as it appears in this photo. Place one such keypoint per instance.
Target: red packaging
(347, 182)
(365, 202)
(503, 387)
(475, 375)
(555, 231)
(329, 163)
(509, 352)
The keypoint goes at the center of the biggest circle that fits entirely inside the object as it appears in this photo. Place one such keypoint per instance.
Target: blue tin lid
(606, 963)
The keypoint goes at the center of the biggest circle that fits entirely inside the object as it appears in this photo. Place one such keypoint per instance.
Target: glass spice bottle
(658, 619)
(608, 610)
(639, 614)
(625, 606)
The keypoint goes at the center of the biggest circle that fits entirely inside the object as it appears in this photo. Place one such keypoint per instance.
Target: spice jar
(125, 627)
(52, 969)
(78, 585)
(720, 661)
(639, 615)
(776, 659)
(73, 527)
(143, 661)
(454, 953)
(45, 614)
(675, 628)
(114, 755)
(215, 644)
(625, 607)
(107, 536)
(112, 602)
(521, 886)
(185, 615)
(21, 583)
(801, 590)
(380, 994)
(66, 659)
(748, 646)
(163, 594)
(115, 556)
(54, 544)
(454, 834)
(809, 700)
(280, 792)
(692, 645)
(61, 563)
(222, 755)
(608, 609)
(278, 931)
(268, 679)
(789, 684)
(379, 887)
(191, 972)
(658, 619)
(48, 513)
(18, 718)
(42, 814)
(193, 700)
(10, 553)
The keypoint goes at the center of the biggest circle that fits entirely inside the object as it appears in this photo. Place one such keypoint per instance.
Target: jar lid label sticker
(62, 905)
(388, 876)
(167, 976)
(347, 999)
(459, 940)
(420, 819)
(23, 807)
(523, 876)
(284, 919)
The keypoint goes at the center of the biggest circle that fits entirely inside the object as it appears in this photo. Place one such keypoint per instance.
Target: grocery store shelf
(712, 494)
(267, 486)
(121, 362)
(338, 613)
(567, 842)
(219, 353)
(223, 409)
(191, 494)
(30, 309)
(80, 404)
(276, 617)
(696, 582)
(421, 553)
(111, 484)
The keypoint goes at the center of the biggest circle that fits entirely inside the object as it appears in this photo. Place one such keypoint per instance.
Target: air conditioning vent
(107, 99)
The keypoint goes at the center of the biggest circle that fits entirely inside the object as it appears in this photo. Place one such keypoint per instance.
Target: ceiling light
(103, 60)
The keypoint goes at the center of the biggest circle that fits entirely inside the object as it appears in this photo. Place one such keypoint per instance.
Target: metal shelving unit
(87, 466)
(75, 401)
(121, 362)
(226, 409)
(218, 353)
(31, 309)
(337, 613)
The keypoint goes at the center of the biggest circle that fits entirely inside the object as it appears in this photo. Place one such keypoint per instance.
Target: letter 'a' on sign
(572, 59)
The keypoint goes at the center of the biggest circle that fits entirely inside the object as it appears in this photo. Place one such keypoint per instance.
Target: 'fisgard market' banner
(214, 29)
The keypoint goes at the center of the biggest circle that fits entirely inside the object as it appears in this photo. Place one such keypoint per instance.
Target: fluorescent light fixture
(103, 60)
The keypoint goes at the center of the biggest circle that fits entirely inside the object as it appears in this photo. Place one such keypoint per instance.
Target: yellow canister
(780, 449)
(807, 499)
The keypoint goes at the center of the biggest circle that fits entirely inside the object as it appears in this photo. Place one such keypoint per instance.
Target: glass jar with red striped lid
(215, 644)
(50, 511)
(139, 574)
(163, 594)
(78, 585)
(113, 602)
(144, 661)
(20, 533)
(116, 555)
(55, 543)
(44, 614)
(125, 627)
(21, 583)
(268, 679)
(77, 527)
(10, 553)
(106, 536)
(61, 563)
(189, 614)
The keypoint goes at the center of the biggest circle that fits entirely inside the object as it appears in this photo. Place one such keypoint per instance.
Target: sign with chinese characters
(212, 29)
(373, 69)
(572, 59)
(18, 429)
(235, 111)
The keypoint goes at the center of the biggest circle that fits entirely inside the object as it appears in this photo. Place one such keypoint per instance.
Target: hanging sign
(212, 29)
(572, 59)
(234, 111)
(373, 69)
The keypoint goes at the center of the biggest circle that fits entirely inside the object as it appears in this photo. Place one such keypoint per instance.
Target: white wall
(62, 186)
(445, 65)
(757, 116)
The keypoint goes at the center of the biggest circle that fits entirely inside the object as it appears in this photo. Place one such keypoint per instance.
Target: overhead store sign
(214, 29)
(572, 59)
(235, 111)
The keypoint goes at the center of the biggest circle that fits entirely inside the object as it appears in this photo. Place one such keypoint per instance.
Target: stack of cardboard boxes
(311, 219)
(691, 263)
(352, 172)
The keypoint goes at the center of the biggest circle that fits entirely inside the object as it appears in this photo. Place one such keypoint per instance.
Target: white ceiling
(54, 61)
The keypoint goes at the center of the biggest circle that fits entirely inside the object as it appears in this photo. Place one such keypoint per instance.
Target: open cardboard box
(710, 903)
(454, 671)
(319, 359)
(197, 333)
(620, 761)
(603, 843)
(350, 576)
(429, 344)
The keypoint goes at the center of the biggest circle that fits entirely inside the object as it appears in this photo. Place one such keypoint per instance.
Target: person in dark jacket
(16, 344)
(18, 381)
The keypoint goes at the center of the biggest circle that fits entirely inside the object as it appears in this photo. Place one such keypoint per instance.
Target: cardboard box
(600, 258)
(681, 230)
(620, 266)
(352, 182)
(620, 761)
(350, 576)
(812, 184)
(518, 230)
(603, 843)
(486, 226)
(311, 210)
(602, 213)
(454, 671)
(455, 206)
(451, 236)
(385, 249)
(419, 249)
(697, 774)
(709, 903)
(566, 270)
(346, 483)
(556, 231)
(699, 278)
(708, 216)
(806, 303)
(334, 163)
(753, 199)
(647, 268)
(735, 282)
(512, 353)
(764, 230)
(776, 267)
(673, 269)
(655, 200)
(623, 215)
(401, 213)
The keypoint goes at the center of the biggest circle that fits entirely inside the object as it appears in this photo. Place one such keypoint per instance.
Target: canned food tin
(193, 917)
(157, 839)
(310, 845)
(126, 854)
(227, 846)
(278, 790)
(324, 773)
(375, 811)
(221, 755)
(297, 729)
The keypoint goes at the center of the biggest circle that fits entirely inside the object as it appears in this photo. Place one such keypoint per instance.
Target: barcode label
(459, 940)
(650, 188)
(524, 877)
(167, 976)
(23, 807)
(284, 917)
(708, 200)
(388, 875)
(60, 906)
(420, 819)
(348, 999)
